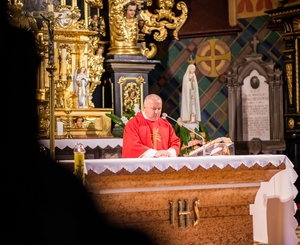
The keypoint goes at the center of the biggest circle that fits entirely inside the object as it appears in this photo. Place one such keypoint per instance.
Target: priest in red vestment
(149, 135)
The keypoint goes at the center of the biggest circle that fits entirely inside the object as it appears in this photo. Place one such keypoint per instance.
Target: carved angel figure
(81, 87)
(124, 27)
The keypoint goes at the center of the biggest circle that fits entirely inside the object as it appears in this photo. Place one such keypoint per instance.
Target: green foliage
(202, 128)
(129, 114)
(116, 119)
(184, 135)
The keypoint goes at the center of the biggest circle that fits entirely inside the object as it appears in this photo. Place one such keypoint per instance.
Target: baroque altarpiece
(80, 53)
(288, 17)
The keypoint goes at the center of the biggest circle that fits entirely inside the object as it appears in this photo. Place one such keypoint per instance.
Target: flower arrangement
(122, 121)
(185, 137)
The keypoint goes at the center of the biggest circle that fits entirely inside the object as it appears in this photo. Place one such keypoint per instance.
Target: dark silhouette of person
(42, 201)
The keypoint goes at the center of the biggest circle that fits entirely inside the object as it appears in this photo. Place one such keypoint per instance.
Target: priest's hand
(162, 153)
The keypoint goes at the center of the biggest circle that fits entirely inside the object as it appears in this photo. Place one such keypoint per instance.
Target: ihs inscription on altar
(184, 213)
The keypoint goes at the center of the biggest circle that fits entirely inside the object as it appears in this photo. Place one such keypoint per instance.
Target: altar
(199, 200)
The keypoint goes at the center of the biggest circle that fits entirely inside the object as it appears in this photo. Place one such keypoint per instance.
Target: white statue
(190, 103)
(81, 88)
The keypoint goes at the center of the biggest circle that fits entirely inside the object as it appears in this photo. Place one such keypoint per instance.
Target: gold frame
(138, 82)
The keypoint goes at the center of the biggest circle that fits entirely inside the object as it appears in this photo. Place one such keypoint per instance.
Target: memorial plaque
(255, 99)
(255, 110)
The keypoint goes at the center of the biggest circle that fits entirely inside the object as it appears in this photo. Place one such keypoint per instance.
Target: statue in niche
(81, 87)
(97, 24)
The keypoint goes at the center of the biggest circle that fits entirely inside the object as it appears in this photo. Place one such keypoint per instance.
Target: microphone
(165, 115)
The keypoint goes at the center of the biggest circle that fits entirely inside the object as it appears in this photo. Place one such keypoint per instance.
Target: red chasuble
(141, 135)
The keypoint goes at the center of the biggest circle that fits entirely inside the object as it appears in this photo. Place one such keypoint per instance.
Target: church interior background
(234, 33)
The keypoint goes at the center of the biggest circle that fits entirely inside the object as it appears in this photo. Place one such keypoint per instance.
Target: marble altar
(199, 200)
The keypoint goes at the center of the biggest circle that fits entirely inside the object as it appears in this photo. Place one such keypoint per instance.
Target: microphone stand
(165, 115)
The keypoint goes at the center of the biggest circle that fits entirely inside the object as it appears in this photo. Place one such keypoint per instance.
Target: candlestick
(67, 101)
(68, 124)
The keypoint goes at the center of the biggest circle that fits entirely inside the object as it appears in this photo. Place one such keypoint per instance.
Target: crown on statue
(191, 60)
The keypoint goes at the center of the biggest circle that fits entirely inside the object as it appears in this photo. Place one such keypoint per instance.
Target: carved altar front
(198, 200)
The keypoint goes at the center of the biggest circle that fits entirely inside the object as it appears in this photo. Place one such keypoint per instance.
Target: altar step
(297, 233)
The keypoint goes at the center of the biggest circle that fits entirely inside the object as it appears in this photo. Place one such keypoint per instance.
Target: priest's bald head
(148, 135)
(152, 107)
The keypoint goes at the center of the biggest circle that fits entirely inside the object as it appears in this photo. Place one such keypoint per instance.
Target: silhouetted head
(19, 82)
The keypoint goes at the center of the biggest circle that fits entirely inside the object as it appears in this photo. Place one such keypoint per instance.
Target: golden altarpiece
(288, 17)
(72, 68)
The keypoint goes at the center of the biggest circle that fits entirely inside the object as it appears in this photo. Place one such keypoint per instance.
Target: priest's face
(152, 109)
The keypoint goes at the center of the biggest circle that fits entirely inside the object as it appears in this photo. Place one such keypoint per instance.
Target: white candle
(63, 54)
(60, 128)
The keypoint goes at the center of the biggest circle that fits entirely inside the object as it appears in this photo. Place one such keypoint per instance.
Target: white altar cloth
(280, 186)
(131, 164)
(92, 143)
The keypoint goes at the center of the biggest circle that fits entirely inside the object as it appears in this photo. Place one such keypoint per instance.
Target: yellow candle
(79, 166)
(78, 160)
(79, 151)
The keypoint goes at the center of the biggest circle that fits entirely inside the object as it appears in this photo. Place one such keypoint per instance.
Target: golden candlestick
(68, 124)
(49, 18)
(68, 105)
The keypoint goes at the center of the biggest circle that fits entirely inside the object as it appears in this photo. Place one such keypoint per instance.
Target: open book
(219, 146)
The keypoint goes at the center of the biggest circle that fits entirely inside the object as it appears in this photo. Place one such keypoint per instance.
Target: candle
(63, 54)
(60, 128)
